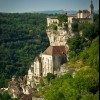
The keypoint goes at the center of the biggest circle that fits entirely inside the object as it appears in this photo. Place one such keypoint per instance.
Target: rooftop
(55, 50)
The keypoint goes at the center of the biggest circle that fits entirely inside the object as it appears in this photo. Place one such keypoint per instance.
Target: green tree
(50, 76)
(53, 26)
(90, 96)
(76, 45)
(90, 56)
(75, 27)
(6, 96)
(86, 80)
(62, 18)
(20, 41)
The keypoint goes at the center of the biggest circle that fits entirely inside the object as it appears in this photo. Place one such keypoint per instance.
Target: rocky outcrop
(17, 88)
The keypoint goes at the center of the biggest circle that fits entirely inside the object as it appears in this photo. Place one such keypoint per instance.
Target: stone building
(52, 58)
(47, 62)
(52, 20)
(82, 16)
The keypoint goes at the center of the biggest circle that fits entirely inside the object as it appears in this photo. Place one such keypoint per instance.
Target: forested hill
(22, 37)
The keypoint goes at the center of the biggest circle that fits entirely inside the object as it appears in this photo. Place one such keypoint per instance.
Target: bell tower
(91, 10)
(91, 7)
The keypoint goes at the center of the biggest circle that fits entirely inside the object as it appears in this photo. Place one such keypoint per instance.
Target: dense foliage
(50, 76)
(90, 56)
(5, 96)
(22, 37)
(75, 27)
(62, 18)
(82, 86)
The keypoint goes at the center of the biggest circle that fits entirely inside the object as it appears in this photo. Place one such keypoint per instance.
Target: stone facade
(52, 20)
(47, 62)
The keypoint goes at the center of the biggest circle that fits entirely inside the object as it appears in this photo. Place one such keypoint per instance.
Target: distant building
(81, 16)
(51, 20)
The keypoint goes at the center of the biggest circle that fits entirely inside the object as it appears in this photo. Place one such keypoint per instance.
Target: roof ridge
(55, 50)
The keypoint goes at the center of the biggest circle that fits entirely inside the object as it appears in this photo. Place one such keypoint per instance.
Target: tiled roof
(55, 50)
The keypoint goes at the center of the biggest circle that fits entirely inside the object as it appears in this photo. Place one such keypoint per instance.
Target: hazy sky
(42, 5)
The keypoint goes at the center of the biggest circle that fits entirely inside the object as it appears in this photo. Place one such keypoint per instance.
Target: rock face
(19, 88)
(14, 89)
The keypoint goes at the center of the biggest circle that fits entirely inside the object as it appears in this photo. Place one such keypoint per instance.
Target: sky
(14, 6)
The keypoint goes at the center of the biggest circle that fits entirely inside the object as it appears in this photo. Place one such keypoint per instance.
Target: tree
(90, 56)
(86, 80)
(90, 96)
(53, 26)
(82, 86)
(6, 96)
(75, 27)
(62, 18)
(76, 45)
(20, 41)
(50, 76)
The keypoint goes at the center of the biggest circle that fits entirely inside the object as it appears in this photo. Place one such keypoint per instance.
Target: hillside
(22, 37)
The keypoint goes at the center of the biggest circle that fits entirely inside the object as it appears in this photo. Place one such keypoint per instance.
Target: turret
(91, 7)
(91, 10)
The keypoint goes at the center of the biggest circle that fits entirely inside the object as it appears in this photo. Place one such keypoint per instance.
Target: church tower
(91, 10)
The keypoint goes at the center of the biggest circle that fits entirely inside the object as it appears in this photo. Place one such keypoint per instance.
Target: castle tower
(91, 10)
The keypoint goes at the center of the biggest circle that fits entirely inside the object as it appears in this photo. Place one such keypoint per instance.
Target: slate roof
(55, 50)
